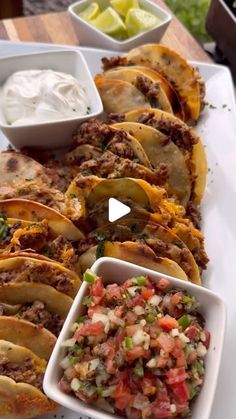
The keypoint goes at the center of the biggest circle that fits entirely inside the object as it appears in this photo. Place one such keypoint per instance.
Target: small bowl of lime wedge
(118, 24)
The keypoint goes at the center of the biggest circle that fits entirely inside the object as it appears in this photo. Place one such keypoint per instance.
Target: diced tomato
(176, 298)
(181, 391)
(161, 362)
(137, 352)
(135, 414)
(131, 330)
(148, 386)
(128, 283)
(84, 397)
(97, 291)
(130, 317)
(162, 392)
(147, 293)
(138, 301)
(178, 353)
(111, 366)
(121, 376)
(91, 329)
(96, 309)
(124, 401)
(119, 311)
(192, 332)
(168, 323)
(166, 342)
(119, 337)
(70, 373)
(113, 292)
(176, 375)
(207, 338)
(65, 386)
(192, 356)
(105, 349)
(163, 284)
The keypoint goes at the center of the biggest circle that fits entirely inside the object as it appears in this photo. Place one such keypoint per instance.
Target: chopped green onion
(99, 390)
(128, 343)
(197, 366)
(89, 276)
(140, 280)
(187, 299)
(81, 319)
(192, 391)
(150, 318)
(87, 300)
(138, 370)
(184, 321)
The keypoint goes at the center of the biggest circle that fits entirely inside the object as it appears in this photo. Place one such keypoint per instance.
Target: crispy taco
(185, 79)
(105, 137)
(36, 239)
(161, 150)
(133, 252)
(23, 209)
(24, 268)
(38, 303)
(24, 333)
(160, 239)
(184, 137)
(145, 83)
(23, 177)
(21, 383)
(87, 197)
(120, 96)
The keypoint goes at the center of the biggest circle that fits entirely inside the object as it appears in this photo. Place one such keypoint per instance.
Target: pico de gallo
(139, 350)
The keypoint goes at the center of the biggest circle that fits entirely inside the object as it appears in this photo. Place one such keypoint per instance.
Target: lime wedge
(138, 20)
(110, 23)
(91, 12)
(123, 6)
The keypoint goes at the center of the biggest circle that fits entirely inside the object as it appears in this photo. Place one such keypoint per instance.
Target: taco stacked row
(54, 213)
(36, 293)
(152, 76)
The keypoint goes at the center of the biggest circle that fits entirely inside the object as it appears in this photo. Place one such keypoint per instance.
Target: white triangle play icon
(116, 209)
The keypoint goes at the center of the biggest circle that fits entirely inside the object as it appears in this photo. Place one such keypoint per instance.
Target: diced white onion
(140, 402)
(108, 392)
(93, 364)
(132, 290)
(69, 343)
(65, 363)
(173, 408)
(101, 377)
(139, 310)
(75, 384)
(143, 322)
(154, 300)
(102, 318)
(201, 350)
(75, 326)
(174, 333)
(203, 337)
(152, 363)
(113, 318)
(140, 337)
(184, 338)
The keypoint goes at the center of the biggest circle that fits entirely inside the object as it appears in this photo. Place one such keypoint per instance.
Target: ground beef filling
(181, 136)
(37, 313)
(40, 273)
(112, 62)
(149, 89)
(22, 373)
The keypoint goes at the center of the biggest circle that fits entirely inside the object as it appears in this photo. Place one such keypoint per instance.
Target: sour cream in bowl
(44, 97)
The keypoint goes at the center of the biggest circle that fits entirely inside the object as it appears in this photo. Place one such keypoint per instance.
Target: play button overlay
(117, 210)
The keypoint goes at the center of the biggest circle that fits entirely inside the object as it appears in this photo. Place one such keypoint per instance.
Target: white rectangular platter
(217, 128)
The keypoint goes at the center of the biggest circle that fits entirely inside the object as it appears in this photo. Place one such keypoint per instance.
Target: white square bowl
(53, 134)
(90, 36)
(114, 270)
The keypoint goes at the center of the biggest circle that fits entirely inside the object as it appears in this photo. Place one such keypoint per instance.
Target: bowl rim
(70, 401)
(90, 82)
(112, 40)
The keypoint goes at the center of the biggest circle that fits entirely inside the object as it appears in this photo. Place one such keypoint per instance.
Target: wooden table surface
(57, 28)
